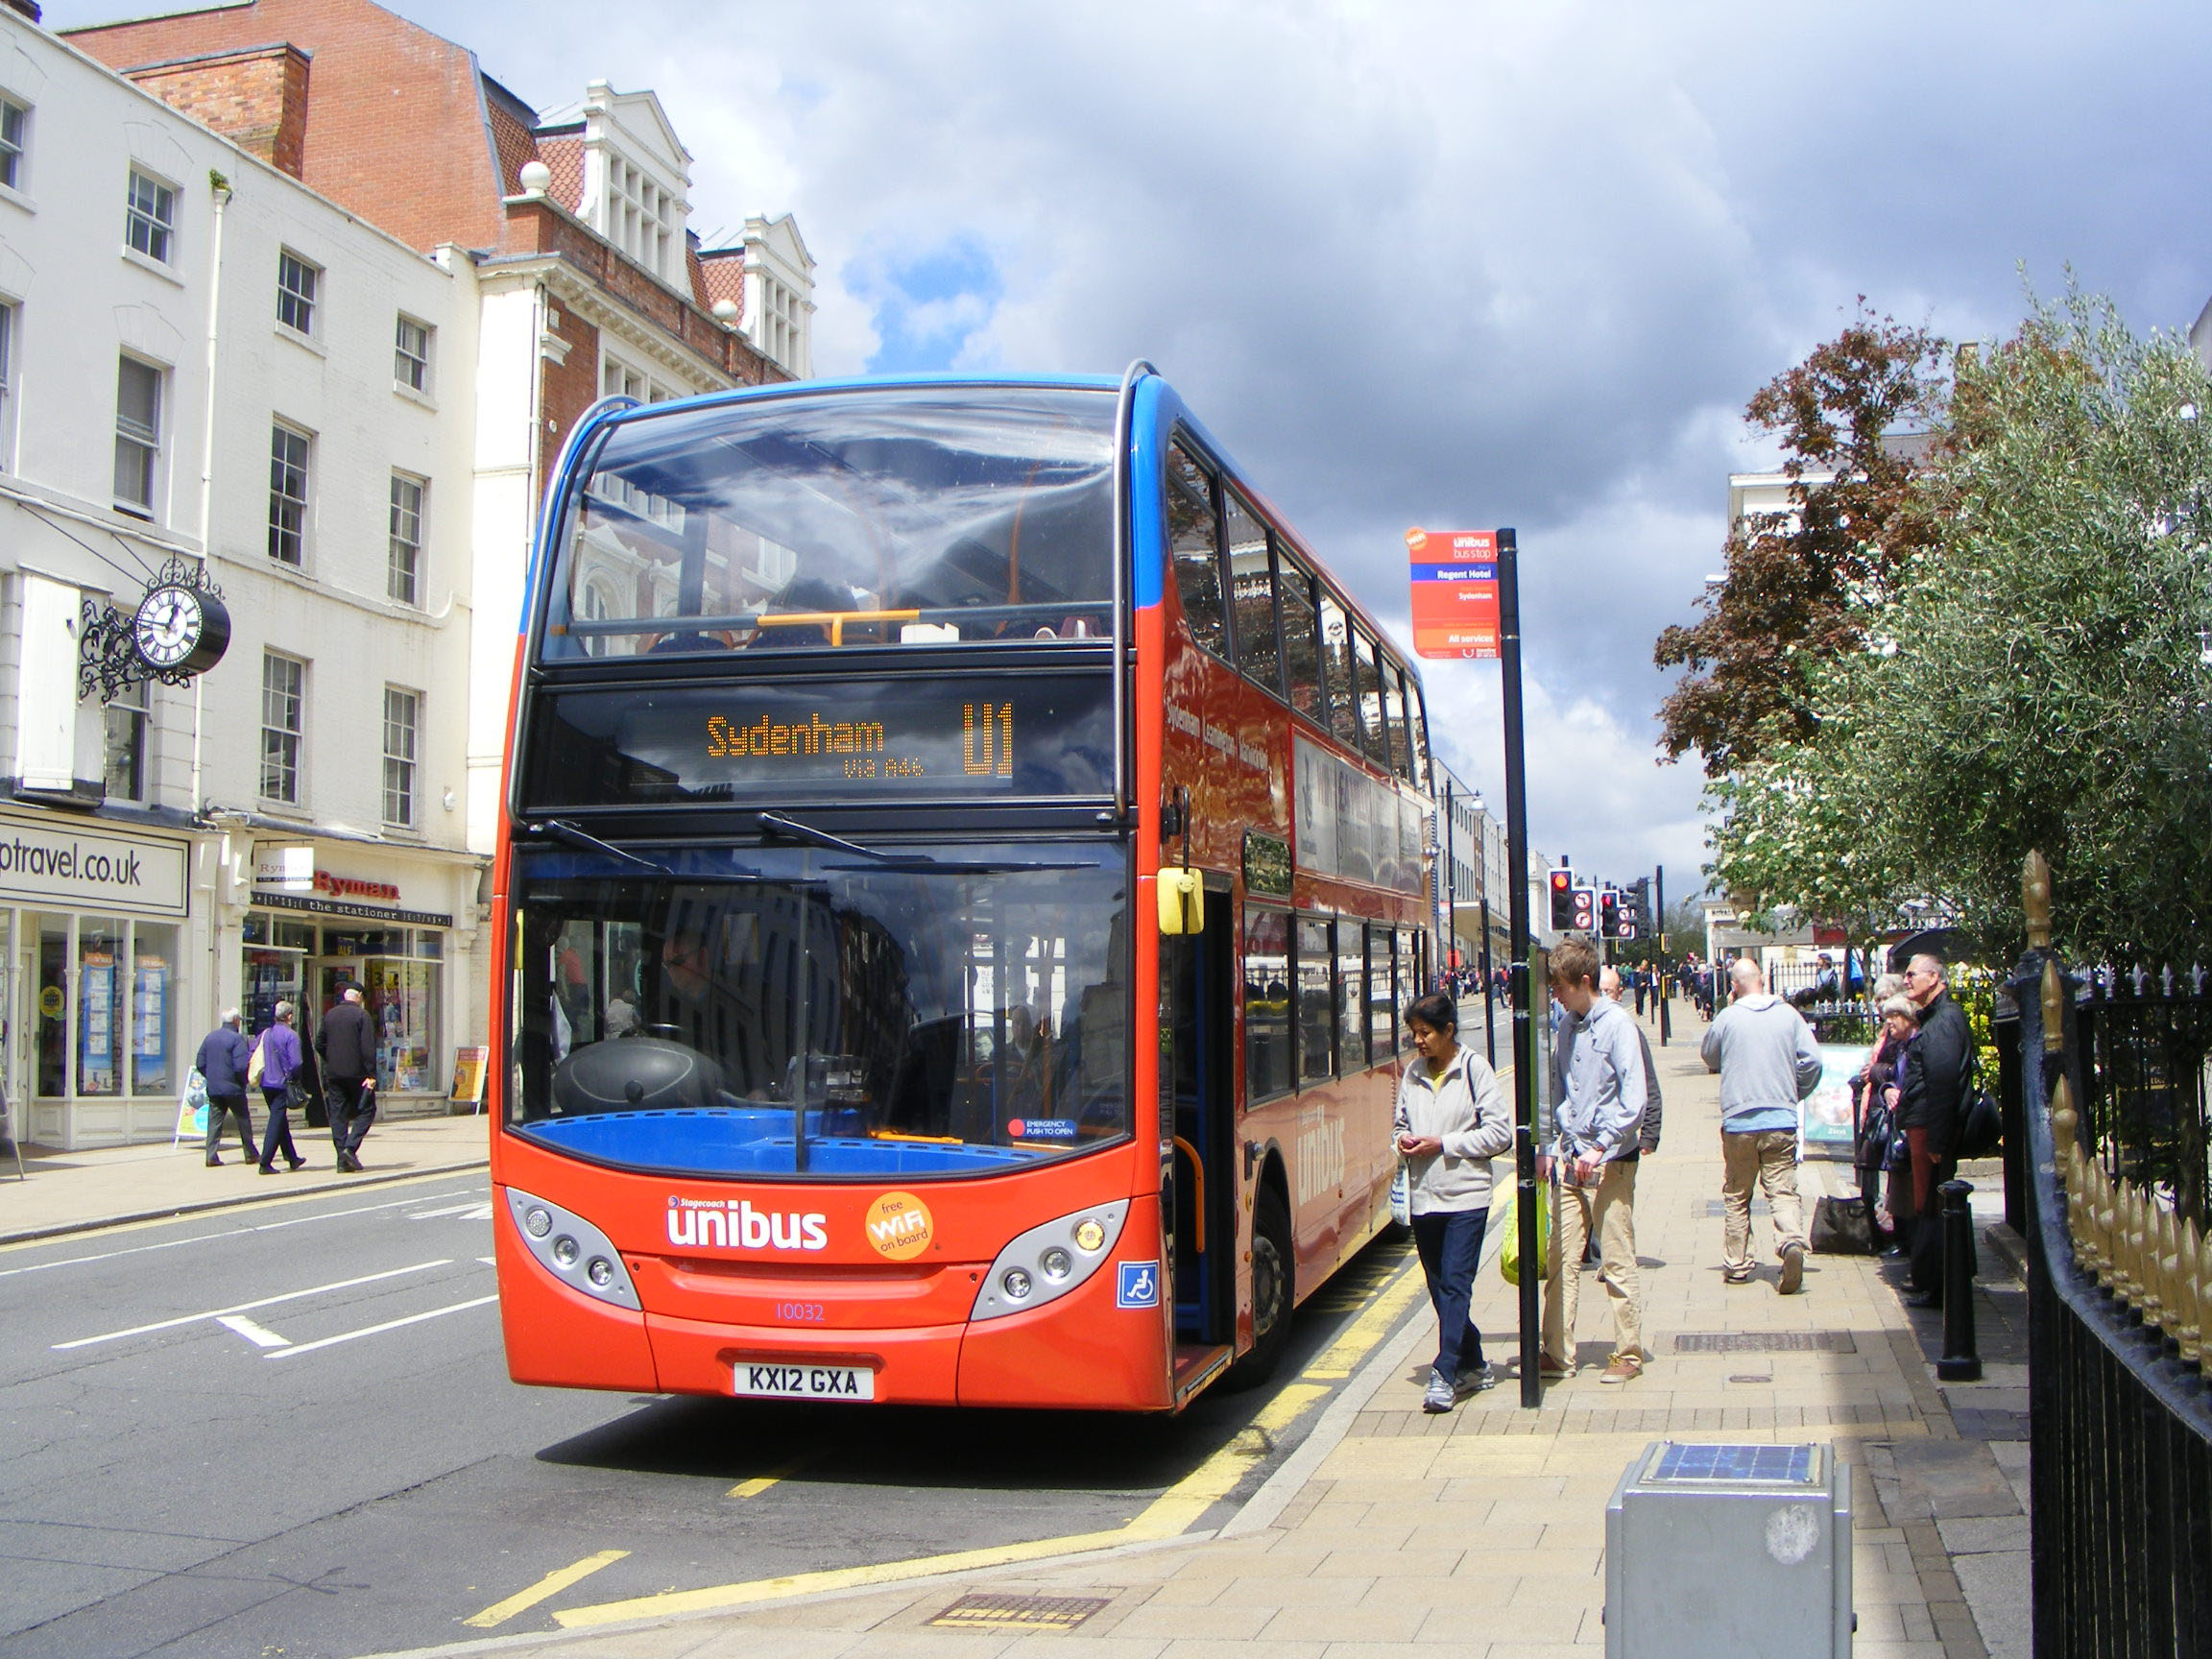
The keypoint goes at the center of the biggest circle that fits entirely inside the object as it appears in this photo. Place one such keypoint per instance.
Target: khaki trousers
(1610, 1210)
(1771, 1157)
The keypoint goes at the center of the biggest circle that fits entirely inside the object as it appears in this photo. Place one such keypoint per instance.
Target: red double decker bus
(961, 864)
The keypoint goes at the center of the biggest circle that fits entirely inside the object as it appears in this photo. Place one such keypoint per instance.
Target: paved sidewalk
(1389, 1533)
(71, 1191)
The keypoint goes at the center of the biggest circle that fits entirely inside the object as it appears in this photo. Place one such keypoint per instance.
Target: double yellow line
(1172, 1513)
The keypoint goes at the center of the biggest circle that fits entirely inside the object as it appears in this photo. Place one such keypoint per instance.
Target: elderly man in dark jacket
(1932, 1100)
(348, 1047)
(222, 1061)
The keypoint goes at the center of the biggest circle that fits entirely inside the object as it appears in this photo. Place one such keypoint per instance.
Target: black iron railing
(2120, 1290)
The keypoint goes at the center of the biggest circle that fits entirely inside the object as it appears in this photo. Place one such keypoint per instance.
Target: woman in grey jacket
(1451, 1121)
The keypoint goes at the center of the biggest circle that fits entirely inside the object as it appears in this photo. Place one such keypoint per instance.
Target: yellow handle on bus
(1182, 902)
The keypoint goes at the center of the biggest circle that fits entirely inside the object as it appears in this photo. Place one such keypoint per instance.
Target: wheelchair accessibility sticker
(1140, 1286)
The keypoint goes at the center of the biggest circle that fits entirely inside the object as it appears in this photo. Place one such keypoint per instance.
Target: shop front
(96, 981)
(311, 931)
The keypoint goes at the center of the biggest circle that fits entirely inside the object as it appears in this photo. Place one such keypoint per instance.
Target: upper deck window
(925, 516)
(1195, 533)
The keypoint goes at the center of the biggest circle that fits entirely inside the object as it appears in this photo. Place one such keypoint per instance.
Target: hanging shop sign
(60, 862)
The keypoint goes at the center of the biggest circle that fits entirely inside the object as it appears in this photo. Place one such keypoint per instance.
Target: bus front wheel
(1274, 1291)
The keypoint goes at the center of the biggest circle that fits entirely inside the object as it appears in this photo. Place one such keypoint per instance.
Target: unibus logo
(1320, 1159)
(735, 1223)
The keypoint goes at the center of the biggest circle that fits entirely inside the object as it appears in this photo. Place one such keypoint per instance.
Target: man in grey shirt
(1768, 1062)
(1597, 1118)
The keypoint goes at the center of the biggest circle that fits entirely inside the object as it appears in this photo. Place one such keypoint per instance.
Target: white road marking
(260, 1336)
(475, 1211)
(217, 1313)
(379, 1330)
(217, 1238)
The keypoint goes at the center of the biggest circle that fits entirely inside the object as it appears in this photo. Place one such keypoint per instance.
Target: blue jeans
(1449, 1242)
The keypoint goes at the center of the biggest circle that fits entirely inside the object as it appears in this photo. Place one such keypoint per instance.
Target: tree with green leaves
(2037, 676)
(1800, 583)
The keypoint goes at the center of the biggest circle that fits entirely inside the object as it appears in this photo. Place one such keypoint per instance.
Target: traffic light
(1608, 914)
(1641, 890)
(1584, 917)
(1562, 899)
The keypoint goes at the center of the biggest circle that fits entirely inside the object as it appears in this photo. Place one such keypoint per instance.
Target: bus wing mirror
(1182, 902)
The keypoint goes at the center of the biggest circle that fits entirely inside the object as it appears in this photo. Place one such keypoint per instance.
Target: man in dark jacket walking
(348, 1047)
(222, 1061)
(1932, 1097)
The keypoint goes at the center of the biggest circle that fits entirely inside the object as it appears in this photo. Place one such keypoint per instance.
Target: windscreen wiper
(776, 823)
(561, 830)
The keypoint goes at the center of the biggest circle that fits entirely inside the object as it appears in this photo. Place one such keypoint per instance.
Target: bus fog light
(601, 1272)
(564, 1251)
(1016, 1283)
(1056, 1263)
(540, 1222)
(1089, 1237)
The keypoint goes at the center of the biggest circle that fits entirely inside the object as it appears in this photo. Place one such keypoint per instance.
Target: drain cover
(1020, 1612)
(1765, 1342)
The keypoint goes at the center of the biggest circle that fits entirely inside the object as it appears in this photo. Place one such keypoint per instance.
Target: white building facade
(204, 365)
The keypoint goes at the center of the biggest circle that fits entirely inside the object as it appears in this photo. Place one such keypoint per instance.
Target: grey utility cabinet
(1717, 1549)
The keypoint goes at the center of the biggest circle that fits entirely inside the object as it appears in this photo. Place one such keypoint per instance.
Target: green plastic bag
(1506, 1219)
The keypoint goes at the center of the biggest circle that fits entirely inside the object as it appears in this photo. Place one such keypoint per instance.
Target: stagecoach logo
(733, 1223)
(900, 1226)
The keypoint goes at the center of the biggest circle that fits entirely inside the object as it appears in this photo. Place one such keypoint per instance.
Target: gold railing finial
(2035, 899)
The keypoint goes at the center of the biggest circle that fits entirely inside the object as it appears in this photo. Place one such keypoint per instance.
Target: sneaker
(1479, 1381)
(1625, 1368)
(1552, 1370)
(1735, 1275)
(1792, 1268)
(1439, 1397)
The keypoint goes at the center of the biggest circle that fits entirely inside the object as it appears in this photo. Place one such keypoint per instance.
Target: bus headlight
(573, 1250)
(1046, 1263)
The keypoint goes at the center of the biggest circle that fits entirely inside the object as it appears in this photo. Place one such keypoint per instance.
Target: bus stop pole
(1527, 1068)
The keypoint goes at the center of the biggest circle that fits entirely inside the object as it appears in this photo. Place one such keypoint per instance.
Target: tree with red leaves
(1803, 583)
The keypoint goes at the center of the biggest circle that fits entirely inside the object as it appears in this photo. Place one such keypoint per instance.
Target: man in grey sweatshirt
(1768, 1062)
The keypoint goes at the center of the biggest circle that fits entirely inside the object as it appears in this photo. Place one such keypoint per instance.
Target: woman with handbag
(280, 1060)
(1450, 1121)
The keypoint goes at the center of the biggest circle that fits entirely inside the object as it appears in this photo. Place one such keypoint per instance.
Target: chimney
(255, 97)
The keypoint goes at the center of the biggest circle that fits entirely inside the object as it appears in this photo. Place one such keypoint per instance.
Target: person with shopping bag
(1451, 1121)
(277, 1057)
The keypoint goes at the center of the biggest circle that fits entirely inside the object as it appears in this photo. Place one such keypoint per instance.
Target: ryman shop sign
(62, 865)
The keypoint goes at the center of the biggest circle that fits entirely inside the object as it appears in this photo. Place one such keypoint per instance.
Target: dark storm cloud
(1447, 264)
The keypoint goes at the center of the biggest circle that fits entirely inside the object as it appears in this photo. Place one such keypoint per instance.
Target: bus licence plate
(806, 1381)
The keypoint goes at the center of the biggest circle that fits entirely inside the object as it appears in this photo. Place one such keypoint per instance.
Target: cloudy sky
(1455, 265)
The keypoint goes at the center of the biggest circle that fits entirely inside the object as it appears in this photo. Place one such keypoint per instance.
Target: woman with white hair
(280, 1058)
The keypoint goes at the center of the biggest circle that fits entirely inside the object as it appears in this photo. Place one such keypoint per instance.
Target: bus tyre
(1273, 1293)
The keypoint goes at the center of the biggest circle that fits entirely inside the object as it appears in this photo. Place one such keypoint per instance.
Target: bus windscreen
(789, 1011)
(866, 517)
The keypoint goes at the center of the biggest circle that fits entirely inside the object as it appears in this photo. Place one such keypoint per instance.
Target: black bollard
(1960, 1362)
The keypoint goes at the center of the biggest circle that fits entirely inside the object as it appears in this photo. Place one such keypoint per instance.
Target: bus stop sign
(1454, 592)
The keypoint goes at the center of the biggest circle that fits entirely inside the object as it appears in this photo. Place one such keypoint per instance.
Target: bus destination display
(843, 740)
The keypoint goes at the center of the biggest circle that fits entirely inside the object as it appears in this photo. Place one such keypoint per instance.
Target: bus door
(1197, 1024)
